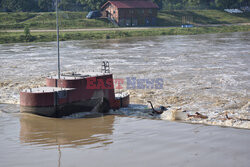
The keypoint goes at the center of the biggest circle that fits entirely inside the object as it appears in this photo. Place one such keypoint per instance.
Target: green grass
(174, 18)
(70, 20)
(14, 37)
(47, 20)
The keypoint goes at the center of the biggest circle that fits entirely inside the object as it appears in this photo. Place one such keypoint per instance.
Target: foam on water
(208, 73)
(83, 115)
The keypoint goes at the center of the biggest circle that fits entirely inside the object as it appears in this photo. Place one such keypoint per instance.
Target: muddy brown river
(209, 74)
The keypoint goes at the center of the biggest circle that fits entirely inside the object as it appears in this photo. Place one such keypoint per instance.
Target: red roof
(132, 4)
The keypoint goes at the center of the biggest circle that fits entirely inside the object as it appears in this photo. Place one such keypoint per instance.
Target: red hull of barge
(72, 94)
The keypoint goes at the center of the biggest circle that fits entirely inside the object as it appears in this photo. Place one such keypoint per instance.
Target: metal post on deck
(58, 50)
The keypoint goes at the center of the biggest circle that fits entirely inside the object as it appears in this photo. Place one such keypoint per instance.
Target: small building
(131, 13)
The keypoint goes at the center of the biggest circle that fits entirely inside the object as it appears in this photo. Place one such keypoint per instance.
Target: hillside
(69, 20)
(47, 20)
(174, 18)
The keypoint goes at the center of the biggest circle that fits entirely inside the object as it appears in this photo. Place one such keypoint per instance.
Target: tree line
(201, 4)
(39, 5)
(86, 5)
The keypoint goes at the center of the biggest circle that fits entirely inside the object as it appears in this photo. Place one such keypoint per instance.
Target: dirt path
(122, 28)
(86, 29)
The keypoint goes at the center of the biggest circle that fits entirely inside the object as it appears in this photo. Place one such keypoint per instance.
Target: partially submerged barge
(91, 92)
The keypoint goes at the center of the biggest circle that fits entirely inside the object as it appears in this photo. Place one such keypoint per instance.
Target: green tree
(227, 3)
(46, 5)
(70, 5)
(159, 3)
(29, 5)
(76, 5)
(12, 5)
(207, 4)
(20, 5)
(193, 3)
(92, 4)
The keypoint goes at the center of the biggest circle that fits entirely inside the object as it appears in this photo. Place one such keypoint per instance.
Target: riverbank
(43, 36)
(77, 20)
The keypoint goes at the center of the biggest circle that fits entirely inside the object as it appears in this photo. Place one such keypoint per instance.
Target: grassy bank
(174, 18)
(15, 37)
(69, 20)
(47, 20)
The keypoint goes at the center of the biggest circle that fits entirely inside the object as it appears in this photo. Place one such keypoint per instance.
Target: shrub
(27, 34)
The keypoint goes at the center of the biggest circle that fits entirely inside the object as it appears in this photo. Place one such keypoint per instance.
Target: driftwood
(198, 115)
(241, 119)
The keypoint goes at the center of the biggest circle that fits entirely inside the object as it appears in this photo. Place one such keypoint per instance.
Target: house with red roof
(131, 13)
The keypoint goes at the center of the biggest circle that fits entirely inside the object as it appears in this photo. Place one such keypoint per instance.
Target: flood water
(28, 140)
(208, 73)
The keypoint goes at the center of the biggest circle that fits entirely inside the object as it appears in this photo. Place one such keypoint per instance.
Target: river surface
(209, 74)
(28, 140)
